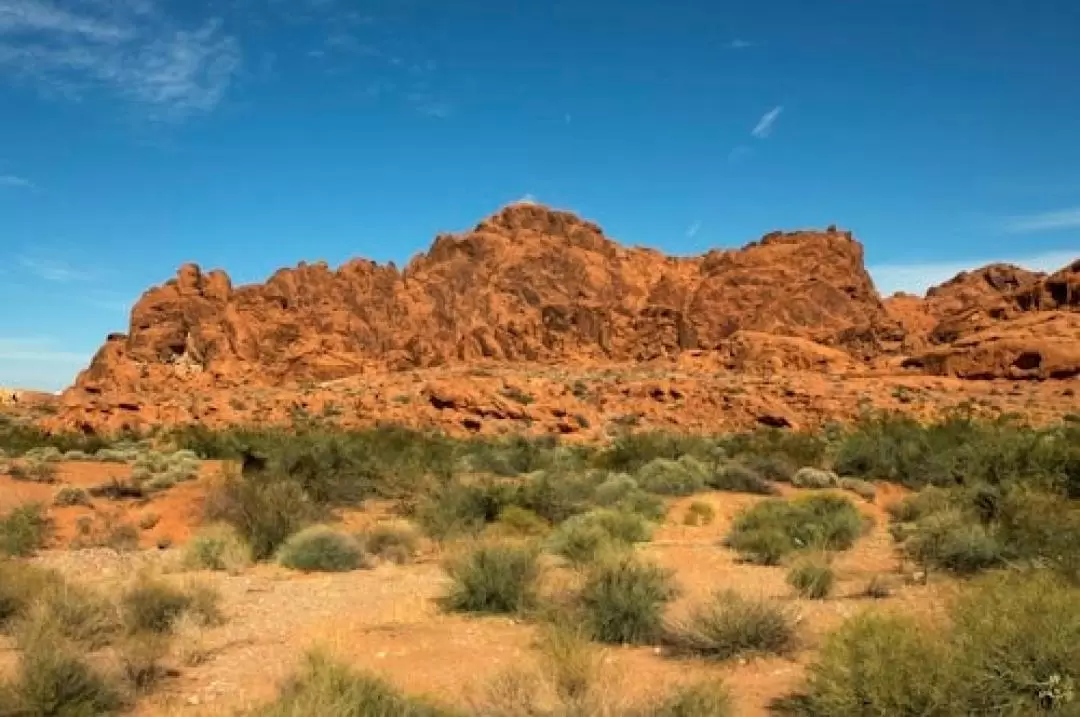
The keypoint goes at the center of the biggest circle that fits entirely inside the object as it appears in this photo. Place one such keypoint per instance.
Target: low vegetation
(493, 578)
(24, 530)
(320, 548)
(775, 528)
(729, 626)
(812, 577)
(623, 599)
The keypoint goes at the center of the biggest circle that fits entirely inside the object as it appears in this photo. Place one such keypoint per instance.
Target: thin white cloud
(918, 277)
(1047, 221)
(765, 125)
(130, 47)
(527, 199)
(10, 180)
(738, 44)
(51, 270)
(693, 229)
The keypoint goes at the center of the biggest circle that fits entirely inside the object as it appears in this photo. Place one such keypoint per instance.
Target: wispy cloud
(738, 44)
(1047, 221)
(693, 229)
(51, 270)
(39, 350)
(130, 47)
(10, 180)
(527, 199)
(764, 126)
(916, 278)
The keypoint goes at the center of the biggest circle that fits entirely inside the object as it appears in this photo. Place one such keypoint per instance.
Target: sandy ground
(386, 619)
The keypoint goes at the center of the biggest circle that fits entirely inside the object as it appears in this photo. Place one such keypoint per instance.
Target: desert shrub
(25, 530)
(395, 542)
(493, 578)
(44, 454)
(730, 625)
(76, 613)
(812, 578)
(665, 476)
(877, 588)
(264, 511)
(519, 455)
(699, 513)
(953, 541)
(776, 453)
(814, 479)
(53, 678)
(320, 548)
(21, 584)
(768, 531)
(33, 470)
(582, 537)
(154, 606)
(862, 488)
(70, 496)
(705, 699)
(1011, 646)
(879, 665)
(77, 455)
(217, 547)
(522, 521)
(918, 505)
(621, 492)
(623, 599)
(630, 451)
(555, 495)
(1016, 639)
(457, 508)
(331, 689)
(737, 477)
(140, 657)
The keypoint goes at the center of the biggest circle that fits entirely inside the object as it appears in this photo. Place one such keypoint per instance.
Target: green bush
(953, 541)
(630, 451)
(730, 626)
(53, 678)
(264, 511)
(522, 521)
(394, 542)
(327, 688)
(495, 578)
(776, 453)
(581, 538)
(812, 578)
(458, 509)
(862, 488)
(21, 584)
(665, 476)
(737, 477)
(25, 530)
(699, 513)
(623, 599)
(154, 606)
(706, 699)
(918, 505)
(768, 531)
(33, 470)
(320, 548)
(1011, 647)
(217, 547)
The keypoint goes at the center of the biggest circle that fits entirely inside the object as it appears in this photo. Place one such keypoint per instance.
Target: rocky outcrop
(527, 284)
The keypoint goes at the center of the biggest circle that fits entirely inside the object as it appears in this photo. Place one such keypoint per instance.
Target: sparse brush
(953, 541)
(25, 530)
(53, 678)
(69, 496)
(878, 588)
(699, 513)
(730, 625)
(140, 660)
(812, 577)
(623, 599)
(264, 512)
(494, 578)
(154, 606)
(396, 542)
(33, 470)
(919, 505)
(149, 521)
(21, 584)
(321, 549)
(581, 538)
(44, 454)
(328, 688)
(704, 699)
(217, 547)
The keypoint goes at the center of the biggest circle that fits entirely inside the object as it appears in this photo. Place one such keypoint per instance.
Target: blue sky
(250, 134)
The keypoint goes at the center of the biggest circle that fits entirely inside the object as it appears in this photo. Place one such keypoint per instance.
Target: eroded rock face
(533, 287)
(527, 284)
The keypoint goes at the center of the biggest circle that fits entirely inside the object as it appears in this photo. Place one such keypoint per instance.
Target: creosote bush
(699, 513)
(1011, 646)
(812, 577)
(774, 528)
(396, 542)
(24, 530)
(581, 538)
(321, 549)
(493, 578)
(623, 599)
(729, 626)
(265, 511)
(217, 547)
